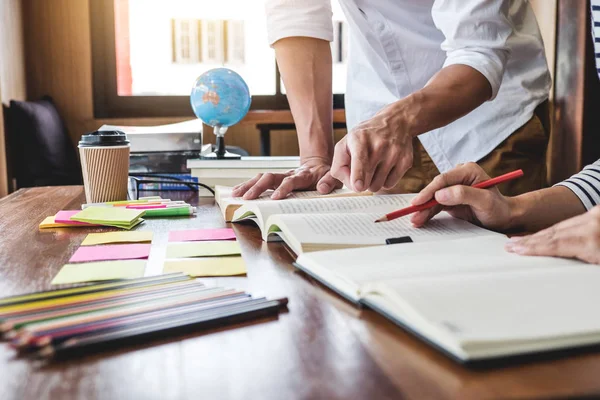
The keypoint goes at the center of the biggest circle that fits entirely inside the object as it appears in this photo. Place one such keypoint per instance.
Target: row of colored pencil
(66, 322)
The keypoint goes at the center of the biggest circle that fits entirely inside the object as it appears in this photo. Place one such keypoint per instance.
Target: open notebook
(317, 224)
(469, 297)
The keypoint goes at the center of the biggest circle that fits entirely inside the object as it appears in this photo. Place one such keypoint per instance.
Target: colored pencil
(432, 203)
(56, 293)
(172, 301)
(17, 322)
(76, 346)
(87, 298)
(29, 340)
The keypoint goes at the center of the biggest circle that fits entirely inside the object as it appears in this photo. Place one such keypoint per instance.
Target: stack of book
(233, 172)
(70, 321)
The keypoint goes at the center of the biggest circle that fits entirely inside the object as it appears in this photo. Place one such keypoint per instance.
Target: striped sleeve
(586, 185)
(596, 31)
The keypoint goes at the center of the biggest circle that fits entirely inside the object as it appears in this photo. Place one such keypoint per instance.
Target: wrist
(316, 160)
(316, 146)
(521, 209)
(516, 211)
(404, 114)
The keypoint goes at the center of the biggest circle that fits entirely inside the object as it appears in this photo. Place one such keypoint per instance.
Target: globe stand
(220, 152)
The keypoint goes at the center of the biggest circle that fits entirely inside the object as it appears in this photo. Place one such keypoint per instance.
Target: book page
(223, 195)
(379, 204)
(229, 204)
(465, 256)
(518, 306)
(360, 228)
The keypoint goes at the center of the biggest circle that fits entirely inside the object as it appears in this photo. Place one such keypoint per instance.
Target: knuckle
(379, 146)
(458, 191)
(471, 165)
(441, 180)
(552, 240)
(595, 242)
(287, 181)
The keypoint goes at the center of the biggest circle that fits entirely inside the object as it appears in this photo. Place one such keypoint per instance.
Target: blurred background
(132, 62)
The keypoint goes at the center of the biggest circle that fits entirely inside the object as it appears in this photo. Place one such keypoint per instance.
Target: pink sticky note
(111, 252)
(64, 217)
(202, 234)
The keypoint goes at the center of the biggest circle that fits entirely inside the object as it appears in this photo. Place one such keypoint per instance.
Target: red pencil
(431, 203)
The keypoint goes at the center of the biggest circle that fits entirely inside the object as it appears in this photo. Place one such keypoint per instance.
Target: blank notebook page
(504, 306)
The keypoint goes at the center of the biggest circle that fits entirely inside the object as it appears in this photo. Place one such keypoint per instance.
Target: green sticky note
(209, 266)
(203, 249)
(120, 217)
(100, 271)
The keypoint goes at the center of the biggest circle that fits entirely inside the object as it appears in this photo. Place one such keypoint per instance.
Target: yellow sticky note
(209, 266)
(48, 222)
(203, 249)
(117, 237)
(108, 215)
(100, 271)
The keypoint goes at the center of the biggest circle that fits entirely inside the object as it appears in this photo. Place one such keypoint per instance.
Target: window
(147, 54)
(214, 44)
(236, 42)
(185, 43)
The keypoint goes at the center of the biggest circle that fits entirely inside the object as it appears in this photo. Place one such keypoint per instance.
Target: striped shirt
(596, 31)
(586, 184)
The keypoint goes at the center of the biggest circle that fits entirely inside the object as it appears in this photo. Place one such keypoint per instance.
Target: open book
(229, 204)
(469, 297)
(316, 224)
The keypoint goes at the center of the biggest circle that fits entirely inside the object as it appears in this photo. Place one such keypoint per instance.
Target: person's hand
(484, 207)
(577, 237)
(314, 172)
(375, 154)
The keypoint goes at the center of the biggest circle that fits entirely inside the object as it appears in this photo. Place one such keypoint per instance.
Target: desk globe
(220, 98)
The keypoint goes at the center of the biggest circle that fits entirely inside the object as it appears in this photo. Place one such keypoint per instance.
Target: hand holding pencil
(456, 192)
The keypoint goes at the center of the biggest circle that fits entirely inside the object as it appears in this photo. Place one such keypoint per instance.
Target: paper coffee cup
(105, 165)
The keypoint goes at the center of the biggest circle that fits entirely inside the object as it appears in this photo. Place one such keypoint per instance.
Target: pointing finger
(340, 167)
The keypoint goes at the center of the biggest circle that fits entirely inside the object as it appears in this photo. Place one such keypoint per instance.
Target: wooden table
(323, 348)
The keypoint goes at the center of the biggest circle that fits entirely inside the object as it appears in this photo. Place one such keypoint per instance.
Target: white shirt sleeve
(476, 33)
(307, 18)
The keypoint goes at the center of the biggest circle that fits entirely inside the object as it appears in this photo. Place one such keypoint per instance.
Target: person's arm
(378, 152)
(528, 212)
(300, 34)
(569, 231)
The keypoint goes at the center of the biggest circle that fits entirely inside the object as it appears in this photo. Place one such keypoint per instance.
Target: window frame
(108, 103)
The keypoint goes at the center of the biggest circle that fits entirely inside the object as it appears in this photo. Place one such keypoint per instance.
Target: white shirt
(396, 46)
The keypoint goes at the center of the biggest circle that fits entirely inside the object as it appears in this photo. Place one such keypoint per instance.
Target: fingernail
(358, 185)
(324, 187)
(442, 195)
(514, 248)
(276, 194)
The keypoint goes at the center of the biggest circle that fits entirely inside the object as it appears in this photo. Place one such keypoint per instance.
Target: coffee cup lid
(104, 138)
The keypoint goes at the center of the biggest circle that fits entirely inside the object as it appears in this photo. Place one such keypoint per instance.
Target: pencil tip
(382, 219)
